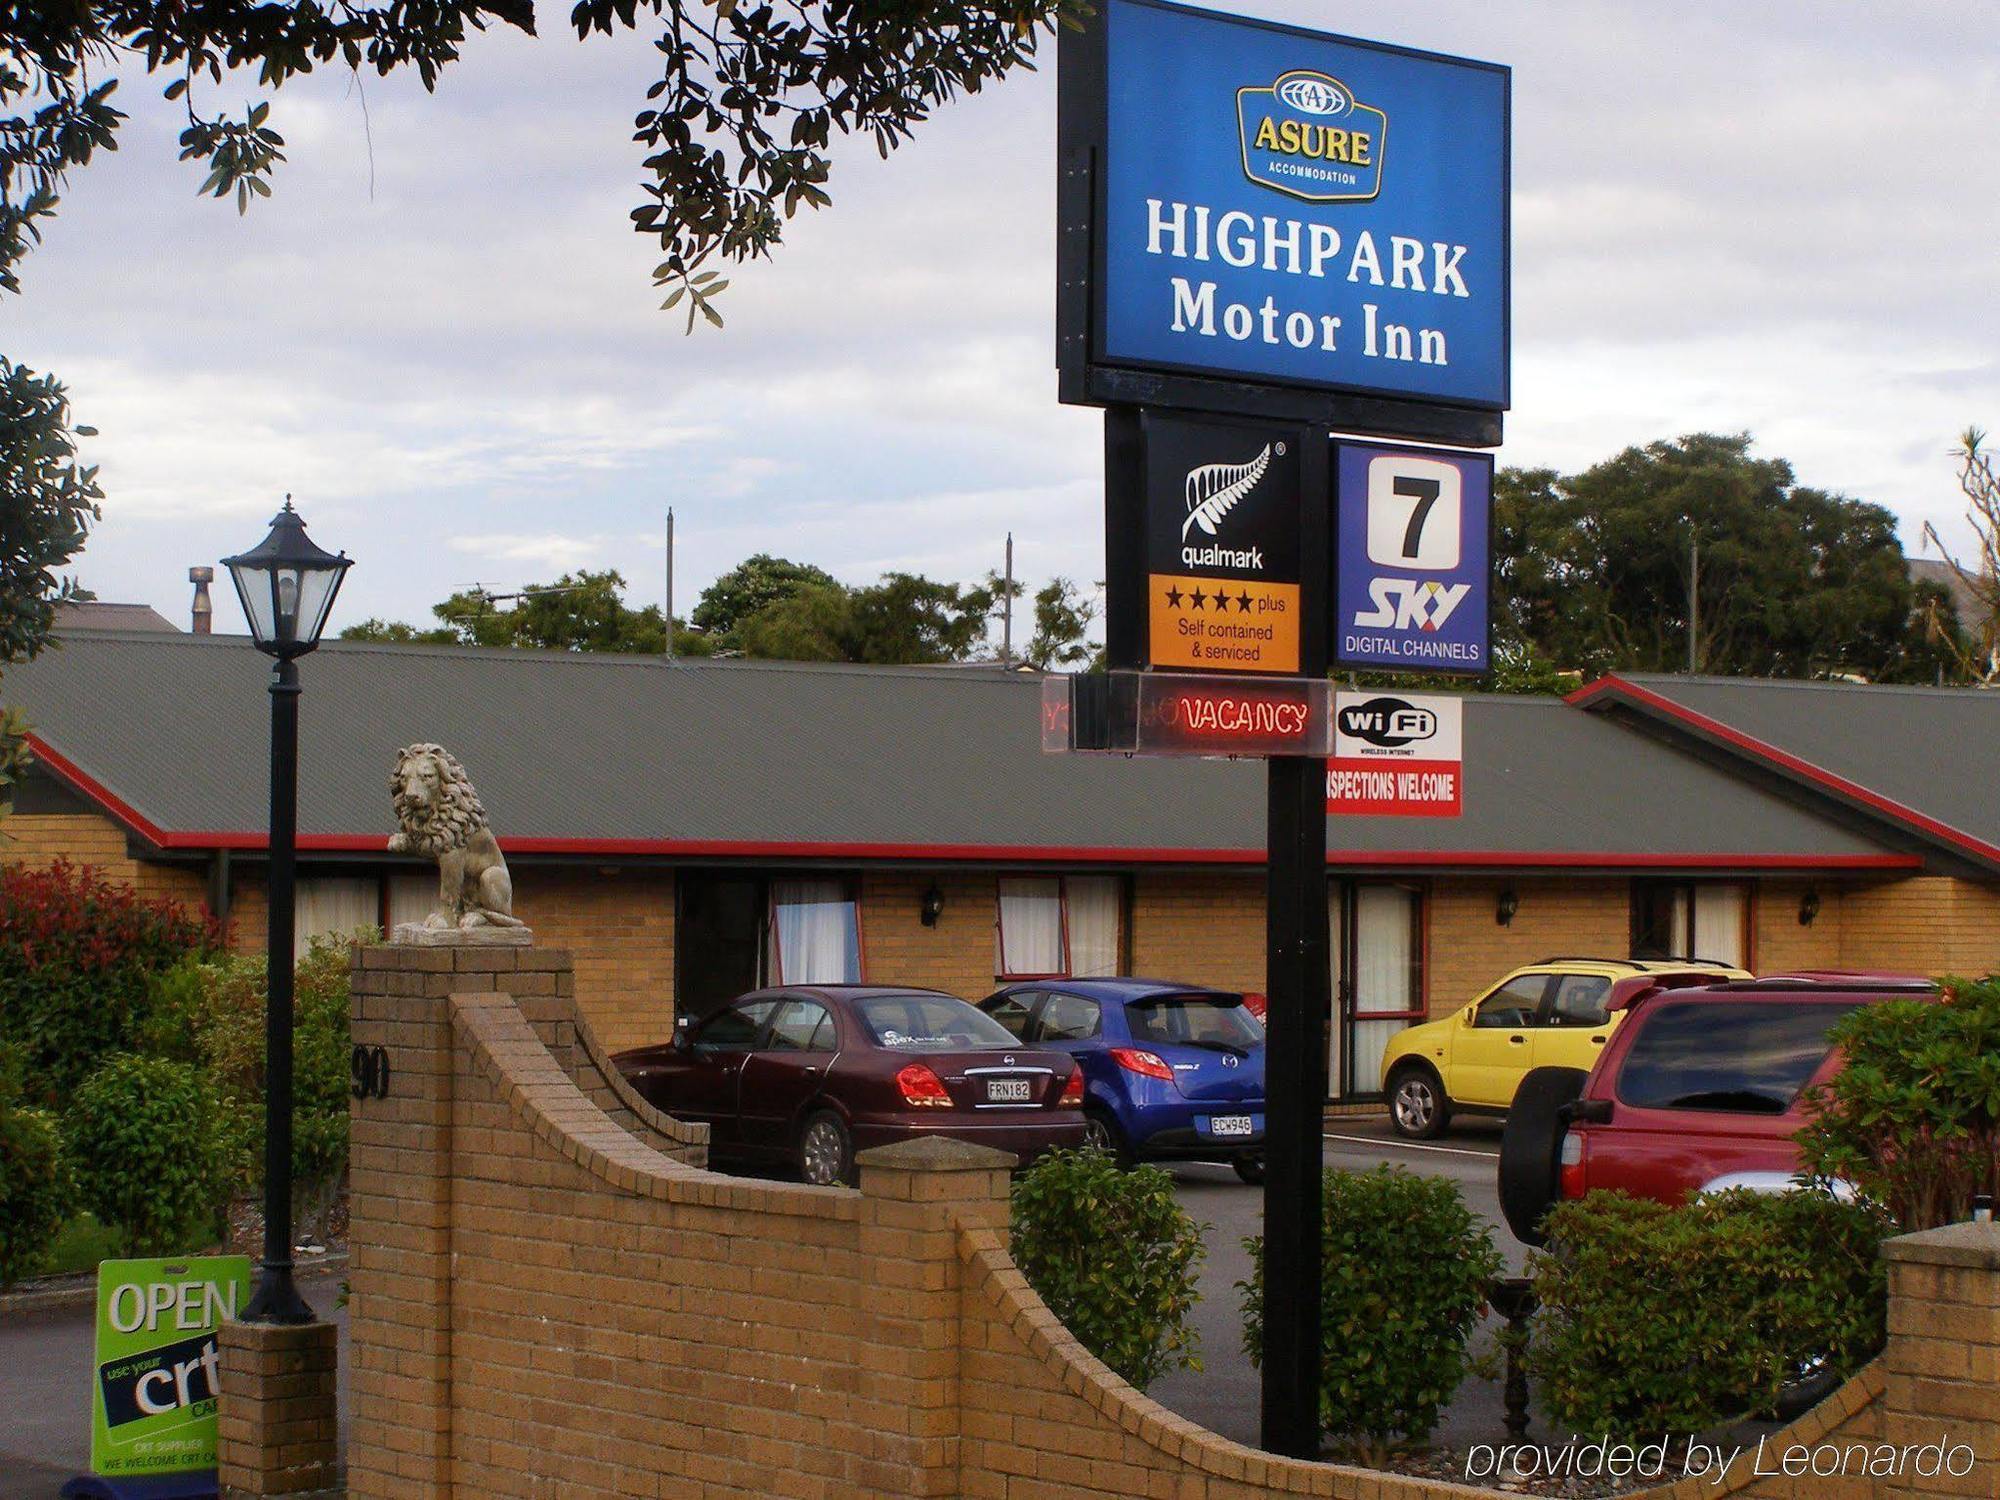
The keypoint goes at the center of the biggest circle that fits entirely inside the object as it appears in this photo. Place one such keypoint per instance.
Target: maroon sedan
(809, 1075)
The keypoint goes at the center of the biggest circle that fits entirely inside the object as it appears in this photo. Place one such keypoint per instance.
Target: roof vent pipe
(204, 611)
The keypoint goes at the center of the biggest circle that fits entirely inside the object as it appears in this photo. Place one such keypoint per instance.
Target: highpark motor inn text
(1241, 240)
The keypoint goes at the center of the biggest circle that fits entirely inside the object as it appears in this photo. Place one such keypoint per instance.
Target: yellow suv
(1554, 1014)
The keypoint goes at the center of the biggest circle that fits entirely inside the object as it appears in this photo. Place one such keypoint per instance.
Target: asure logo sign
(1308, 136)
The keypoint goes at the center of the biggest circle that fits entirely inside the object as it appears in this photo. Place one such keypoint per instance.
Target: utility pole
(670, 584)
(1007, 619)
(1694, 604)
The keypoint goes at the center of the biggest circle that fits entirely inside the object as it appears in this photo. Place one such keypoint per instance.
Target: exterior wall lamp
(1809, 906)
(286, 583)
(932, 907)
(1506, 906)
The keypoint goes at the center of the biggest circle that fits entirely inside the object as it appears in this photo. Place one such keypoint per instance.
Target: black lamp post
(287, 584)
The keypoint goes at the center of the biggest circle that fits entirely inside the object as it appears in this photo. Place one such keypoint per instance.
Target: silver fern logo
(1213, 491)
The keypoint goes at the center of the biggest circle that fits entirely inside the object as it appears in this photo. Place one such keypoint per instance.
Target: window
(1012, 1011)
(1749, 1057)
(1378, 946)
(1058, 926)
(1069, 1018)
(802, 1026)
(1514, 1005)
(1581, 1000)
(1707, 920)
(930, 1023)
(735, 1029)
(815, 932)
(335, 906)
(1197, 1020)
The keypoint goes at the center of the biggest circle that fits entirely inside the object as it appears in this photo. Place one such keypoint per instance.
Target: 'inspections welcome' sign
(1280, 205)
(154, 1387)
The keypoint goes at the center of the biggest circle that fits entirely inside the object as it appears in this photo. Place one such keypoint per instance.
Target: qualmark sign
(1222, 545)
(1289, 207)
(1397, 754)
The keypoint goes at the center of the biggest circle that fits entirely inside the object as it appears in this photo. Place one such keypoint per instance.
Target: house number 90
(369, 1069)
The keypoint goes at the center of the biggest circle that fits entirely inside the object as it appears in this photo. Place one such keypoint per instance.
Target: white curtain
(330, 906)
(1030, 937)
(1336, 930)
(1718, 924)
(1385, 972)
(1094, 902)
(816, 932)
(411, 899)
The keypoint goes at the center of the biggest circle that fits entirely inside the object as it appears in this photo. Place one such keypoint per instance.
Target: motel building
(692, 829)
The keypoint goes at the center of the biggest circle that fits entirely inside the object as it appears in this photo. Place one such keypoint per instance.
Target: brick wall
(619, 927)
(1199, 927)
(1781, 941)
(37, 840)
(543, 1306)
(1927, 925)
(955, 956)
(1469, 950)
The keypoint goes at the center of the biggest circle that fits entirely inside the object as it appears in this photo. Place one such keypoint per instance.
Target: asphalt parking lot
(46, 1355)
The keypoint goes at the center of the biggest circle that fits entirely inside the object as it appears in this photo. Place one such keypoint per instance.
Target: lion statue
(438, 813)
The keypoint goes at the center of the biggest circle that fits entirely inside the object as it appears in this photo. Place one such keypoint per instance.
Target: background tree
(1063, 613)
(1976, 652)
(582, 611)
(739, 122)
(754, 584)
(47, 503)
(1594, 569)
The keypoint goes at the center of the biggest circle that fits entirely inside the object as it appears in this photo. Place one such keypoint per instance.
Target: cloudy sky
(1773, 217)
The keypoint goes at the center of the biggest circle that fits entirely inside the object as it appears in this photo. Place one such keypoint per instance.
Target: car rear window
(930, 1023)
(1195, 1020)
(1745, 1057)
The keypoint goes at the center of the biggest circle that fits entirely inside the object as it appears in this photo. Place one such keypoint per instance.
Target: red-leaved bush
(77, 953)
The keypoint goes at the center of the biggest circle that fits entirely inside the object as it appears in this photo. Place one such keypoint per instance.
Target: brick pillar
(277, 1429)
(1943, 1359)
(400, 1172)
(914, 1194)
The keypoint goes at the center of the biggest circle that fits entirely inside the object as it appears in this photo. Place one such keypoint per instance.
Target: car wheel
(1250, 1167)
(826, 1153)
(1531, 1148)
(1418, 1108)
(1100, 1133)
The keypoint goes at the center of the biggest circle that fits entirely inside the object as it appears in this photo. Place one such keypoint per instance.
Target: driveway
(1225, 1394)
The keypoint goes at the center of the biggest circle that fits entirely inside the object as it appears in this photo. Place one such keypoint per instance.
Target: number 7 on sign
(1414, 512)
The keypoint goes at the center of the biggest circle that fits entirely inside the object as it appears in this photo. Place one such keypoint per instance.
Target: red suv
(1699, 1090)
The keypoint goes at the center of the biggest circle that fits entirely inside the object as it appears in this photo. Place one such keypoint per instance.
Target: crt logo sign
(1412, 530)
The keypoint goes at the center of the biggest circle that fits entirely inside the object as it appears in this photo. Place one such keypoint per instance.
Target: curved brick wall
(543, 1304)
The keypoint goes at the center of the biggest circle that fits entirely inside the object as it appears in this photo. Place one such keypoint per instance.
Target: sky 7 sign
(1413, 558)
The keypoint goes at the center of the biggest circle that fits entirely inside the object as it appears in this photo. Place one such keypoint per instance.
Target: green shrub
(1404, 1275)
(1913, 1118)
(1115, 1257)
(209, 1012)
(140, 1135)
(35, 1186)
(76, 955)
(1658, 1319)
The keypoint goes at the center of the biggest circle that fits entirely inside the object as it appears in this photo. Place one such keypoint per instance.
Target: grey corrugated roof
(98, 614)
(591, 747)
(1935, 752)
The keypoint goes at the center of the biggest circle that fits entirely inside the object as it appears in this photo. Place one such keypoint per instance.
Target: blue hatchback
(1172, 1072)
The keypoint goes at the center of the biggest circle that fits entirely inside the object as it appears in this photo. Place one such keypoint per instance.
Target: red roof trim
(373, 843)
(1617, 686)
